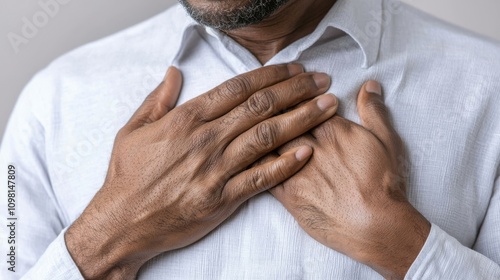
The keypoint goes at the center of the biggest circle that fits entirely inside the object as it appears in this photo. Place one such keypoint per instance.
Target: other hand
(351, 196)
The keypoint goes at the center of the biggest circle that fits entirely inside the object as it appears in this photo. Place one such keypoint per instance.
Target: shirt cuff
(56, 263)
(443, 257)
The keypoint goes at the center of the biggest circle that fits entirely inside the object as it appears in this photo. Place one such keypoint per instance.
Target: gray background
(78, 22)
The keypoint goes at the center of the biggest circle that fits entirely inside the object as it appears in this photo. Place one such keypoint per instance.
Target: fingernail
(303, 153)
(373, 87)
(322, 80)
(326, 101)
(295, 69)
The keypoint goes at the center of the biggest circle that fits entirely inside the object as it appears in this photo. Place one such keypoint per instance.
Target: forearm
(99, 253)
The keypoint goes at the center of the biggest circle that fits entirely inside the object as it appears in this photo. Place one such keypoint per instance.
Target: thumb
(375, 116)
(159, 102)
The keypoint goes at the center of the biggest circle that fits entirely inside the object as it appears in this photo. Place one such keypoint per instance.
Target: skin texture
(229, 16)
(351, 196)
(176, 174)
(292, 21)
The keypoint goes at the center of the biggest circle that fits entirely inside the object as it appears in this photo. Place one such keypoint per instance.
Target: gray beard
(253, 12)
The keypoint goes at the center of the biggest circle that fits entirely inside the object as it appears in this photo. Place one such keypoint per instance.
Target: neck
(296, 19)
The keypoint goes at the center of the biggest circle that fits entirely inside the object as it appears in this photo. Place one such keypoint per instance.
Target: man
(183, 195)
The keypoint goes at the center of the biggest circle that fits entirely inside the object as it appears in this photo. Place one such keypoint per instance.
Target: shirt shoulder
(131, 55)
(446, 56)
(429, 38)
(123, 66)
(152, 40)
(449, 68)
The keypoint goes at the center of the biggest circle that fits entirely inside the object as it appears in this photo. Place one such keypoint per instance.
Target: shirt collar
(360, 19)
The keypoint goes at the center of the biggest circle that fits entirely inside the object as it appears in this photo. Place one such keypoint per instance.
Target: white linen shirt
(441, 86)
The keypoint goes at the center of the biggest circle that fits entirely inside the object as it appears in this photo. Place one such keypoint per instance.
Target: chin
(231, 14)
(217, 4)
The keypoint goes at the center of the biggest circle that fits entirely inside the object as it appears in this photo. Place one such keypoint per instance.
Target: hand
(351, 195)
(176, 174)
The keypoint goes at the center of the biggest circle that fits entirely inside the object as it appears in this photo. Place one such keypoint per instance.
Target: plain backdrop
(75, 22)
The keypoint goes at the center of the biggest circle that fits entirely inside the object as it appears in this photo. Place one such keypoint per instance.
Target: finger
(302, 140)
(272, 133)
(269, 157)
(235, 91)
(159, 102)
(263, 177)
(375, 117)
(269, 101)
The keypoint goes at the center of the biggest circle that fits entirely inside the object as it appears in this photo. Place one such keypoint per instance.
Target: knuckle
(257, 181)
(235, 87)
(266, 136)
(344, 126)
(308, 115)
(334, 128)
(204, 137)
(261, 103)
(151, 98)
(186, 114)
(377, 107)
(280, 170)
(208, 204)
(304, 84)
(276, 72)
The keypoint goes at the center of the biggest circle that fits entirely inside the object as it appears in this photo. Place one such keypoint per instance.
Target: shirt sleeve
(56, 263)
(444, 257)
(488, 239)
(35, 237)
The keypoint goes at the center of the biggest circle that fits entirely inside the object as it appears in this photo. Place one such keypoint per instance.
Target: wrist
(97, 254)
(406, 238)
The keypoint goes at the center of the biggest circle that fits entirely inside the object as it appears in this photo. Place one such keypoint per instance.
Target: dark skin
(291, 22)
(177, 173)
(350, 195)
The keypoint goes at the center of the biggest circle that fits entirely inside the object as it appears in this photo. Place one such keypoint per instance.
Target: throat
(290, 23)
(263, 50)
